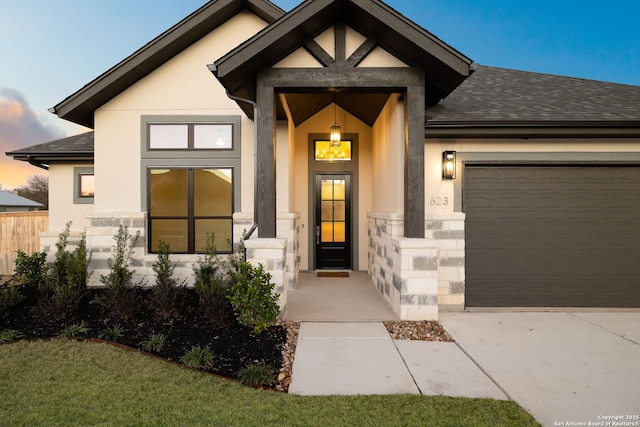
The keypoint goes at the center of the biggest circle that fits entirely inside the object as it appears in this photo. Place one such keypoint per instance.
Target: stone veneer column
(446, 230)
(271, 253)
(288, 227)
(415, 277)
(418, 277)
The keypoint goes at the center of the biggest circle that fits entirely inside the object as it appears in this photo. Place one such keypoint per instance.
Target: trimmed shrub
(252, 297)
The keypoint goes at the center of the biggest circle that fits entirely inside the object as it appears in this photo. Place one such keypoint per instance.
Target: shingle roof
(81, 143)
(73, 148)
(491, 97)
(10, 199)
(501, 95)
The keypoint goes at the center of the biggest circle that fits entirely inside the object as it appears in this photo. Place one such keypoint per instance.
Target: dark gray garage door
(552, 235)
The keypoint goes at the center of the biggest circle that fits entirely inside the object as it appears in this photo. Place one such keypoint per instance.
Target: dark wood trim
(362, 52)
(265, 187)
(407, 37)
(374, 79)
(411, 81)
(321, 55)
(340, 32)
(414, 182)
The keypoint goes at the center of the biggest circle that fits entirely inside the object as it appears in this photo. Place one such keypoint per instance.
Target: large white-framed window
(190, 180)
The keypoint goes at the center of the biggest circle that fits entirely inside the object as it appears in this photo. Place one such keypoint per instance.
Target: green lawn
(68, 383)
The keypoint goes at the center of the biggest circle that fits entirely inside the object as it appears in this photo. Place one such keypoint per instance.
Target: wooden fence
(20, 231)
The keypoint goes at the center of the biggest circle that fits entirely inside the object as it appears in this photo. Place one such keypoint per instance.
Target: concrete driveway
(564, 368)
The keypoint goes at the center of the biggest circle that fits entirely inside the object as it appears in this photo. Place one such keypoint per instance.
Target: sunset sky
(50, 49)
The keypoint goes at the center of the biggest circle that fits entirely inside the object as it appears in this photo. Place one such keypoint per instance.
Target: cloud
(20, 127)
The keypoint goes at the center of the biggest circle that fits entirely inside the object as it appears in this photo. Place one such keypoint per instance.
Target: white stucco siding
(327, 41)
(283, 174)
(299, 58)
(381, 58)
(182, 86)
(61, 206)
(388, 159)
(353, 40)
(185, 82)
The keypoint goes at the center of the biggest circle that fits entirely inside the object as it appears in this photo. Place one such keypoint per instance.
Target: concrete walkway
(561, 367)
(350, 358)
(564, 368)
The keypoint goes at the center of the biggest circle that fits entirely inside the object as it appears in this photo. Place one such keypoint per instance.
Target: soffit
(365, 106)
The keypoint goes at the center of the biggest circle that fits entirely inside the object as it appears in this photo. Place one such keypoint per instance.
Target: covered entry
(380, 69)
(552, 235)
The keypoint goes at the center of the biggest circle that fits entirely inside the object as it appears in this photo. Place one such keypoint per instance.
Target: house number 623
(439, 201)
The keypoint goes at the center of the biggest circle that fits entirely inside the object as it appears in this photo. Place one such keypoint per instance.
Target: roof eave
(80, 106)
(533, 129)
(44, 160)
(236, 70)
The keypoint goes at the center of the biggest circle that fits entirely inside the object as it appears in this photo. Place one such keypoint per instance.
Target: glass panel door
(333, 249)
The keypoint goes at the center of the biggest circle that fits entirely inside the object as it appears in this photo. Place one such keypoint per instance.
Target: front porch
(415, 278)
(336, 299)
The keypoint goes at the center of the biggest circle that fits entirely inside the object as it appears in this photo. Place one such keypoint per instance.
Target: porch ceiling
(365, 106)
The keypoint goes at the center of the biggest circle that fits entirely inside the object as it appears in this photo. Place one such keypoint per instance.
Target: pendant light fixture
(335, 136)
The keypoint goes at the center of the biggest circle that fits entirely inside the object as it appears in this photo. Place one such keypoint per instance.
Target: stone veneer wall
(280, 256)
(104, 226)
(287, 228)
(100, 240)
(418, 277)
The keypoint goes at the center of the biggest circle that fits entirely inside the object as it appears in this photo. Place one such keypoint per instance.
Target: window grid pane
(169, 190)
(212, 136)
(168, 137)
(213, 192)
(339, 231)
(327, 232)
(175, 232)
(220, 228)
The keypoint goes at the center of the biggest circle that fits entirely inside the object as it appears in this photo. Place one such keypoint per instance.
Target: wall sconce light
(448, 164)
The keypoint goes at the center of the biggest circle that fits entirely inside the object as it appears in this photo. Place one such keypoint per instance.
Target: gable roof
(445, 67)
(13, 200)
(492, 102)
(502, 98)
(80, 106)
(77, 148)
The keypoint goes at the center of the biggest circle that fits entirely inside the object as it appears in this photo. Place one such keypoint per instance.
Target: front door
(333, 221)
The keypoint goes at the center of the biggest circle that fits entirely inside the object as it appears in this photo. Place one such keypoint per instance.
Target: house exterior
(452, 184)
(10, 202)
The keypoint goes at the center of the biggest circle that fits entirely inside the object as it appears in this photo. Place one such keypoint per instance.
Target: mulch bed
(234, 345)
